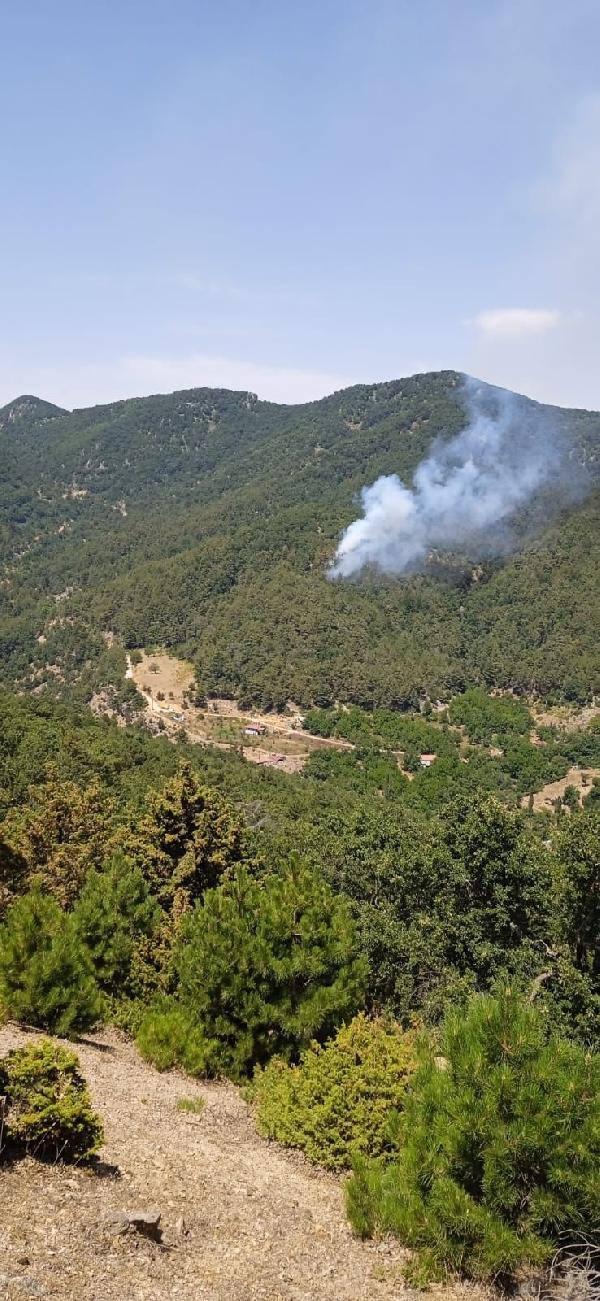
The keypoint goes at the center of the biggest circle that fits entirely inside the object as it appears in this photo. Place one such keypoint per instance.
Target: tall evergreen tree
(46, 974)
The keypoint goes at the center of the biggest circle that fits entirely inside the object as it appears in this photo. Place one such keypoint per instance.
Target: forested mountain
(290, 931)
(205, 521)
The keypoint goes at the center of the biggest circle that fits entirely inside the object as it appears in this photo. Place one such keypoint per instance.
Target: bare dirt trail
(280, 740)
(259, 1222)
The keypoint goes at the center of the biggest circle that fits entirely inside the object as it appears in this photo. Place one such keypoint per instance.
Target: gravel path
(258, 1222)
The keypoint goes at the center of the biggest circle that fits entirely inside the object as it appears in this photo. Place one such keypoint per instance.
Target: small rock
(27, 1286)
(116, 1222)
(181, 1228)
(31, 1287)
(147, 1222)
(144, 1222)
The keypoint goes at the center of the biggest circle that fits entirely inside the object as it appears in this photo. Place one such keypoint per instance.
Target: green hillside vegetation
(398, 961)
(205, 520)
(446, 892)
(487, 746)
(234, 919)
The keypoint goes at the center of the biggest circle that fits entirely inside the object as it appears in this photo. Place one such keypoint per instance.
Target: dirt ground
(281, 742)
(569, 717)
(581, 778)
(241, 1218)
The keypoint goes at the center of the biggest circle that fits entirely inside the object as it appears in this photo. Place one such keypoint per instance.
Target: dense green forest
(420, 874)
(205, 521)
(321, 940)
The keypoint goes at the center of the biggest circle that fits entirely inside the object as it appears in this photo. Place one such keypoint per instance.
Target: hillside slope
(205, 520)
(257, 1222)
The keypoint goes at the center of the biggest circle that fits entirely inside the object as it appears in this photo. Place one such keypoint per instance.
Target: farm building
(255, 729)
(427, 760)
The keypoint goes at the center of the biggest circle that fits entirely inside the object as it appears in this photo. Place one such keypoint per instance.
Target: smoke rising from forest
(464, 491)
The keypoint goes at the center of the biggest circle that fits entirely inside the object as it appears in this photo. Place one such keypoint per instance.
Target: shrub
(60, 833)
(49, 1109)
(46, 975)
(168, 1037)
(193, 1105)
(113, 912)
(498, 1147)
(337, 1102)
(266, 966)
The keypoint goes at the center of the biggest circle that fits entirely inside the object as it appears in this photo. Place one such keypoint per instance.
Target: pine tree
(498, 1148)
(185, 840)
(61, 834)
(114, 912)
(46, 974)
(13, 875)
(265, 967)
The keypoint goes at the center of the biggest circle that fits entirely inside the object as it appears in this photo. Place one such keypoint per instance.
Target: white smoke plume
(464, 492)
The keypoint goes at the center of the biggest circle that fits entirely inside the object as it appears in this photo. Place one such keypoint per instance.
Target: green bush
(49, 1109)
(113, 912)
(263, 967)
(338, 1100)
(498, 1147)
(46, 974)
(195, 1106)
(168, 1037)
(267, 966)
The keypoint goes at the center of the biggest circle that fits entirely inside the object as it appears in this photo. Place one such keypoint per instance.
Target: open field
(569, 718)
(580, 778)
(279, 741)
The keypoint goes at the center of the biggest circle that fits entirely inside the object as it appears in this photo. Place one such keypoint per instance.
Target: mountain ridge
(310, 402)
(205, 520)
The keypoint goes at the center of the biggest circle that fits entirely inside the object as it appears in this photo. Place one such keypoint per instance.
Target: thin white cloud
(557, 365)
(516, 322)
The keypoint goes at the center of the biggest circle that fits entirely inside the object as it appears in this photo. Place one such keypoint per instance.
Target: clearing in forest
(581, 778)
(275, 740)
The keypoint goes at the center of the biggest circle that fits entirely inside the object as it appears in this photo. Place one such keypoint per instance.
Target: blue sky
(291, 197)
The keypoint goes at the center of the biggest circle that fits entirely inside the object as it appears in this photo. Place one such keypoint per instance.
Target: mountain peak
(27, 409)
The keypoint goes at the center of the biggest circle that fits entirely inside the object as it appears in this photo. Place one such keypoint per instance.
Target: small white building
(427, 760)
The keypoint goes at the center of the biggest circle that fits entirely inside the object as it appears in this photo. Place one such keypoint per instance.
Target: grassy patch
(195, 1105)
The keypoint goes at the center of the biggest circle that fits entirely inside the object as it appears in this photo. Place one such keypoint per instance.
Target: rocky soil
(240, 1218)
